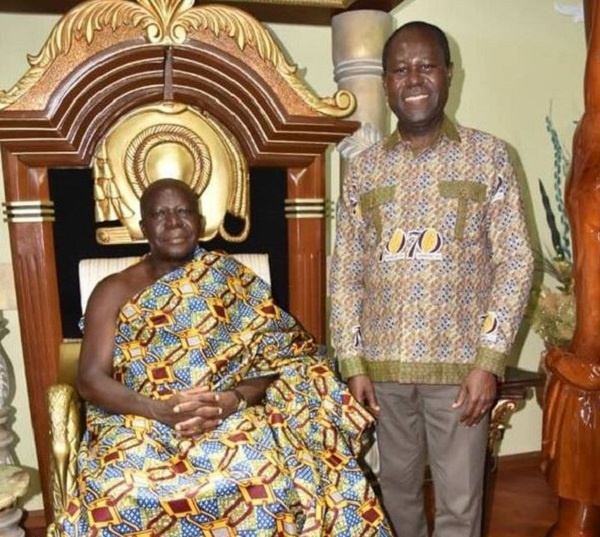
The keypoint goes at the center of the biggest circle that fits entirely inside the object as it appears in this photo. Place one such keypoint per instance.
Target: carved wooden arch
(106, 58)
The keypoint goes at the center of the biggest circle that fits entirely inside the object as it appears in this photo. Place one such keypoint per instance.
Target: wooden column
(305, 211)
(571, 428)
(30, 214)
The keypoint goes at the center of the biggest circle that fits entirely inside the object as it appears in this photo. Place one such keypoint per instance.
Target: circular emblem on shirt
(490, 324)
(430, 241)
(396, 242)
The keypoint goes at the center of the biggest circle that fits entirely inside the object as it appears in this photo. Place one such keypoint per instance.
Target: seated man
(208, 410)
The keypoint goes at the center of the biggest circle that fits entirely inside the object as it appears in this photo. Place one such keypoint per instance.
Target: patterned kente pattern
(286, 467)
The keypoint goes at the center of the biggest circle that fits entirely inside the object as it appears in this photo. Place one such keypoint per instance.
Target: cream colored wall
(512, 70)
(19, 35)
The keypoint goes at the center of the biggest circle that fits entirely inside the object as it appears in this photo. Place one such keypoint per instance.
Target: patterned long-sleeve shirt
(432, 266)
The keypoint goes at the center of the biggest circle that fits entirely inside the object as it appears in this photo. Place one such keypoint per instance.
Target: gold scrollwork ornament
(171, 22)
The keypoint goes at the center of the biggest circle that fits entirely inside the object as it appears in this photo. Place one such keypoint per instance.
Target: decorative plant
(554, 315)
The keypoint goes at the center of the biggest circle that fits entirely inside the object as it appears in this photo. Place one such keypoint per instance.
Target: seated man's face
(171, 222)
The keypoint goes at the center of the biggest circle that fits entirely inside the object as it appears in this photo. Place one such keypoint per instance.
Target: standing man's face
(416, 80)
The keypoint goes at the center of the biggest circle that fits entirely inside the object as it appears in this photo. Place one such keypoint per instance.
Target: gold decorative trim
(305, 208)
(65, 434)
(300, 201)
(168, 22)
(303, 215)
(28, 212)
(238, 201)
(115, 235)
(29, 220)
(152, 137)
(28, 203)
(297, 177)
(501, 414)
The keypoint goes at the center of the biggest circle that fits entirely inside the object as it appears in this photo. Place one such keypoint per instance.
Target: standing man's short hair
(435, 30)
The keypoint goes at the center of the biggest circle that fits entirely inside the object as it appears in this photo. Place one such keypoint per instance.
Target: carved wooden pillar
(571, 432)
(30, 214)
(305, 211)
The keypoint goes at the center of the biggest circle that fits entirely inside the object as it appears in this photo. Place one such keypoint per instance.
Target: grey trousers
(417, 424)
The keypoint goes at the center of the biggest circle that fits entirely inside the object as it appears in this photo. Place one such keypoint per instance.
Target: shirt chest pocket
(469, 196)
(371, 206)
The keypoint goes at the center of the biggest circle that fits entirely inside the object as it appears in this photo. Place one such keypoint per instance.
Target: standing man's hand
(361, 387)
(476, 396)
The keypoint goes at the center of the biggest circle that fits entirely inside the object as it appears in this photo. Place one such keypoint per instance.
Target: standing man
(430, 276)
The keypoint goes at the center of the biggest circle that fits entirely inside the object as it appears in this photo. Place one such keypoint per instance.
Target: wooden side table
(13, 485)
(513, 391)
(518, 386)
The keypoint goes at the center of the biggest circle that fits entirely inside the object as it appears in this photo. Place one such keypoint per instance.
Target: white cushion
(91, 271)
(259, 263)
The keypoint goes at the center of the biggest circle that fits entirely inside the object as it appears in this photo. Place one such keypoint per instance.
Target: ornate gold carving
(297, 176)
(65, 435)
(191, 152)
(169, 140)
(501, 414)
(114, 235)
(238, 201)
(353, 145)
(169, 22)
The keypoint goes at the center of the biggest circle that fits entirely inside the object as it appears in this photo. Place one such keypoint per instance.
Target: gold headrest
(174, 141)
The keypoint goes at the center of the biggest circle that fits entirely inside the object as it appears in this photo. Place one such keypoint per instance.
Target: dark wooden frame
(288, 11)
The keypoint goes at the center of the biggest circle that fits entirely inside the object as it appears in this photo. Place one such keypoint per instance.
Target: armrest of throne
(66, 427)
